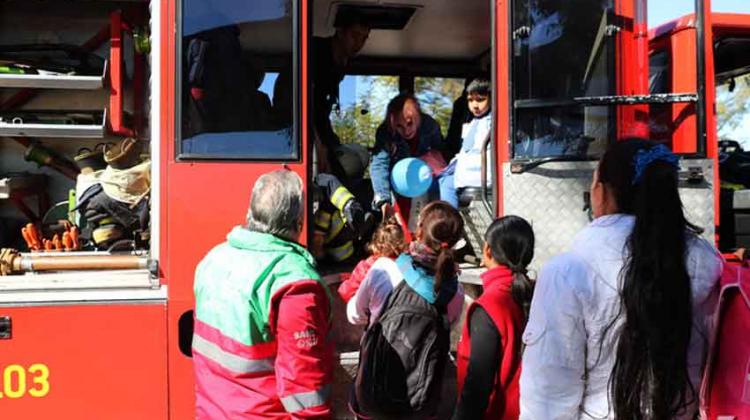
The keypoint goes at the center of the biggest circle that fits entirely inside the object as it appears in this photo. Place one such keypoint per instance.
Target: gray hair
(276, 204)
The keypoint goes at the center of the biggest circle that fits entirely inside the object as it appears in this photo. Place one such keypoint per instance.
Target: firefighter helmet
(353, 159)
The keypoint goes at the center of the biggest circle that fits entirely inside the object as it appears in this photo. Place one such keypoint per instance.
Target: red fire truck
(113, 341)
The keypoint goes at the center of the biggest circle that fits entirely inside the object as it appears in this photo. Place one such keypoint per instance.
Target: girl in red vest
(489, 353)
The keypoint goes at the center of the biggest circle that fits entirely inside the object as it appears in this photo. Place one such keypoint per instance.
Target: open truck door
(239, 102)
(75, 343)
(572, 77)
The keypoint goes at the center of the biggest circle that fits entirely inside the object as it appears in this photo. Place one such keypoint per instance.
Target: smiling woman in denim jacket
(405, 132)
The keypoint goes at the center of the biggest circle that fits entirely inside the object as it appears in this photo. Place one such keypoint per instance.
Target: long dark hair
(441, 227)
(650, 376)
(511, 243)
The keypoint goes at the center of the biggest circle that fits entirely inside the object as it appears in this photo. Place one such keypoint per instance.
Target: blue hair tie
(646, 157)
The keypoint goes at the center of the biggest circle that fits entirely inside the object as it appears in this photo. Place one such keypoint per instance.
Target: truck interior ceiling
(75, 165)
(412, 38)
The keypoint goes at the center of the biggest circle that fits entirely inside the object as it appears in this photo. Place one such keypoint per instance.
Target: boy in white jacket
(465, 170)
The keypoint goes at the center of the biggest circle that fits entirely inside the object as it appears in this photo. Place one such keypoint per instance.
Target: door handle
(6, 328)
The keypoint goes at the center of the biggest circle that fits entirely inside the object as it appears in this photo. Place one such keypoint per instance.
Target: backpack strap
(423, 284)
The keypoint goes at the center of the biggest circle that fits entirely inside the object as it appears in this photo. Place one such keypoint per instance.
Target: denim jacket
(391, 147)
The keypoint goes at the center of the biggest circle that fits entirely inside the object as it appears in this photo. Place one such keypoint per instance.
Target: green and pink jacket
(262, 322)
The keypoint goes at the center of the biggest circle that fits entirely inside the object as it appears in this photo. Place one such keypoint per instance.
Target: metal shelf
(43, 81)
(70, 130)
(12, 183)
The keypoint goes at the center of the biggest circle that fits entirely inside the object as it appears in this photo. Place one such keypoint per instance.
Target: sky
(660, 11)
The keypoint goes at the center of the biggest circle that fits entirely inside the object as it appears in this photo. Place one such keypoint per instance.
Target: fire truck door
(240, 100)
(582, 75)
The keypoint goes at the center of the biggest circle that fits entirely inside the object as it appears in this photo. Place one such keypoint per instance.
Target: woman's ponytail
(511, 243)
(445, 266)
(522, 290)
(650, 375)
(441, 226)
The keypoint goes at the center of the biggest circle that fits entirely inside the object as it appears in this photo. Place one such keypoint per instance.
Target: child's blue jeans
(447, 185)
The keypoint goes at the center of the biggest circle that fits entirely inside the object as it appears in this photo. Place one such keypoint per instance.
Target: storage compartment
(75, 167)
(84, 361)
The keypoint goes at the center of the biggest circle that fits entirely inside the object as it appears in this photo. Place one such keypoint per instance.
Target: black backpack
(403, 357)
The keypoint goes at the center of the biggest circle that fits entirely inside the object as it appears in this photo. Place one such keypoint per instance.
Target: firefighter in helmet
(340, 221)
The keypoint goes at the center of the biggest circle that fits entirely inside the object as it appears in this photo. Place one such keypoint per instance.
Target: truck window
(436, 95)
(733, 110)
(658, 80)
(362, 103)
(569, 37)
(230, 52)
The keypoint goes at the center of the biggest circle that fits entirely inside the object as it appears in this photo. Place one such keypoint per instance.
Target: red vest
(508, 318)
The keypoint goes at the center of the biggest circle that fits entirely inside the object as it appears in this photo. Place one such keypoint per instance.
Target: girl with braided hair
(430, 256)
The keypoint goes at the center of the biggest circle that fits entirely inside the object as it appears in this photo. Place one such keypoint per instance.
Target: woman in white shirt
(617, 327)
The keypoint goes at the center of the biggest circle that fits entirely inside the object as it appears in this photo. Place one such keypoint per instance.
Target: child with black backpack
(410, 304)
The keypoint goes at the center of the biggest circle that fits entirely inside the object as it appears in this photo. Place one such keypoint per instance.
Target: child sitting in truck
(465, 170)
(388, 241)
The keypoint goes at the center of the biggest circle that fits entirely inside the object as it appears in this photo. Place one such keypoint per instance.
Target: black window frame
(296, 106)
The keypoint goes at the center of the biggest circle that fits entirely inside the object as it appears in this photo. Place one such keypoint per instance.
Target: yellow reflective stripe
(342, 252)
(323, 220)
(340, 197)
(337, 224)
(231, 361)
(302, 400)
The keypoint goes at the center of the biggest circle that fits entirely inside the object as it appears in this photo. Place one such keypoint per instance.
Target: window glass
(237, 80)
(362, 104)
(567, 36)
(733, 110)
(658, 80)
(561, 131)
(436, 96)
(575, 63)
(561, 51)
(585, 131)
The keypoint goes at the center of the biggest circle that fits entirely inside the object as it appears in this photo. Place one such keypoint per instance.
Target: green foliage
(733, 107)
(436, 95)
(358, 122)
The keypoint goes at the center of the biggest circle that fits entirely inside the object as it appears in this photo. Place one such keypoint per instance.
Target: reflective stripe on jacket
(262, 321)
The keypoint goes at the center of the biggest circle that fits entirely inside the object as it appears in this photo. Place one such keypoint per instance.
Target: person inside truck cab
(464, 170)
(331, 57)
(405, 132)
(341, 221)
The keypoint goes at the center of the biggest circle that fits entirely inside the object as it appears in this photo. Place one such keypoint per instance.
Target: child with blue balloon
(465, 169)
